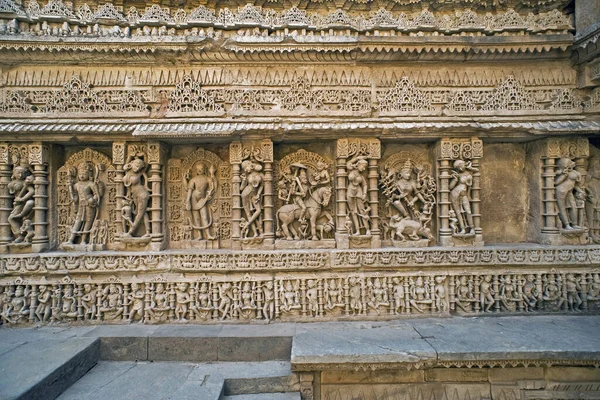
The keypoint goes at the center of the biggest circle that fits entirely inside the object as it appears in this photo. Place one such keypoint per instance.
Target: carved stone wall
(312, 162)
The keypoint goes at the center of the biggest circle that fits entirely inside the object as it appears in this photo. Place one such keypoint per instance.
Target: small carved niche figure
(460, 196)
(112, 302)
(182, 299)
(86, 194)
(252, 188)
(22, 190)
(201, 190)
(137, 197)
(136, 302)
(570, 196)
(356, 196)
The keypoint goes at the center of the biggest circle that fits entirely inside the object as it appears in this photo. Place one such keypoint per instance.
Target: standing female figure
(460, 195)
(138, 194)
(252, 187)
(356, 195)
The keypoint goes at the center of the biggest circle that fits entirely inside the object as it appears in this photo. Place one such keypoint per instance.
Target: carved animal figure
(414, 229)
(314, 203)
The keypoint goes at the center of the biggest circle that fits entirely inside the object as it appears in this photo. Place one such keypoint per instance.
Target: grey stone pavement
(157, 361)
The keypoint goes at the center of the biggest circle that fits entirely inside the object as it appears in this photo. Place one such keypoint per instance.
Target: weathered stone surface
(44, 368)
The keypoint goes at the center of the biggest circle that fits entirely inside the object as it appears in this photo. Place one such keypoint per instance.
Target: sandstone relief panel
(459, 192)
(24, 190)
(86, 200)
(304, 216)
(564, 164)
(288, 297)
(199, 201)
(408, 193)
(253, 204)
(357, 193)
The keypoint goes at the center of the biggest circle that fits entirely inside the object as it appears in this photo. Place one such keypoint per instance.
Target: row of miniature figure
(140, 199)
(297, 298)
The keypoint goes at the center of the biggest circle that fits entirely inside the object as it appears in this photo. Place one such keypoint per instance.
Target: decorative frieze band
(356, 295)
(503, 258)
(191, 97)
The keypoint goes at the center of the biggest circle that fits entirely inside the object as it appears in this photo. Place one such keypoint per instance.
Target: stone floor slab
(43, 368)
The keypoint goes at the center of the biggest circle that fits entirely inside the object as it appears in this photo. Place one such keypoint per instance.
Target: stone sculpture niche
(199, 194)
(564, 196)
(23, 188)
(140, 202)
(357, 193)
(253, 216)
(592, 206)
(304, 191)
(459, 176)
(86, 195)
(409, 189)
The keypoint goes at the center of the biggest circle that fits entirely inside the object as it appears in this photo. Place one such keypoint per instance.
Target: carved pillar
(564, 165)
(156, 159)
(38, 159)
(269, 225)
(357, 158)
(340, 176)
(118, 159)
(5, 198)
(252, 167)
(459, 185)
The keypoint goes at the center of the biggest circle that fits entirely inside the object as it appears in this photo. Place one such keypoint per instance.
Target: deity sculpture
(419, 294)
(568, 186)
(530, 293)
(68, 310)
(159, 306)
(86, 194)
(43, 310)
(268, 301)
(378, 296)
(592, 188)
(88, 301)
(18, 309)
(22, 190)
(252, 187)
(312, 297)
(200, 193)
(182, 301)
(398, 296)
(303, 214)
(289, 297)
(112, 302)
(204, 305)
(410, 196)
(460, 195)
(354, 292)
(486, 294)
(463, 294)
(136, 302)
(356, 196)
(137, 197)
(334, 295)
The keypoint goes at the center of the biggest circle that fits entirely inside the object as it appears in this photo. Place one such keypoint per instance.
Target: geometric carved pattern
(189, 97)
(404, 97)
(76, 97)
(510, 96)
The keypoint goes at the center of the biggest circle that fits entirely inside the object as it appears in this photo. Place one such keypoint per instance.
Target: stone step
(181, 380)
(264, 396)
(44, 368)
